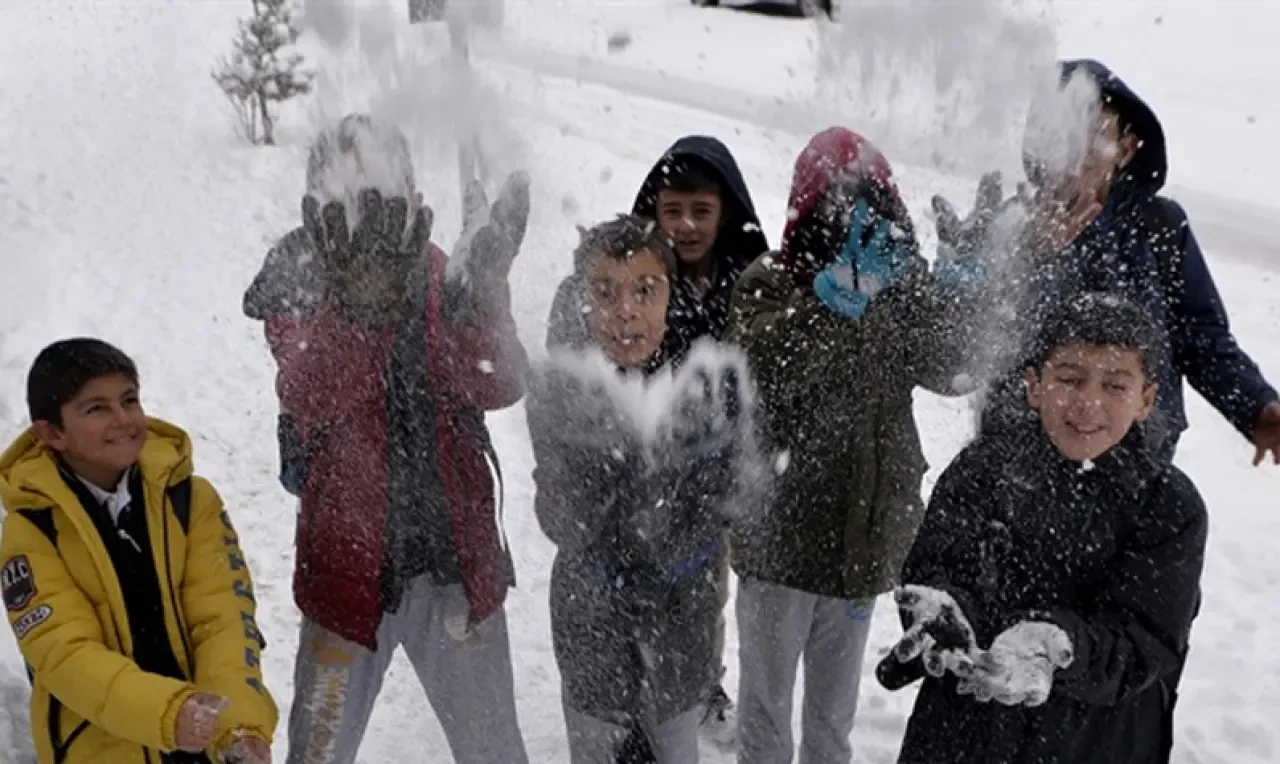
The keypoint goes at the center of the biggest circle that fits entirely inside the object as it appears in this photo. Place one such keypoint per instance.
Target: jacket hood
(741, 238)
(833, 155)
(1150, 166)
(29, 476)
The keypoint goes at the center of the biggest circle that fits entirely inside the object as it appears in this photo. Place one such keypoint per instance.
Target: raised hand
(964, 236)
(1057, 219)
(874, 257)
(491, 238)
(367, 270)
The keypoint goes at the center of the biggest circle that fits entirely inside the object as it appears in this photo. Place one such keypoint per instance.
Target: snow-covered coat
(399, 475)
(112, 662)
(633, 613)
(1110, 552)
(836, 396)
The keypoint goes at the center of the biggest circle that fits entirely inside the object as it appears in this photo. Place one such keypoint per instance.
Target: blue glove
(862, 270)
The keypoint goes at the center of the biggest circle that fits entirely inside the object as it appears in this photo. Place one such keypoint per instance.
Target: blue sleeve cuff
(843, 302)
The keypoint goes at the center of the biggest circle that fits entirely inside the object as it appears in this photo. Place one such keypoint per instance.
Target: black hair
(687, 175)
(1104, 319)
(622, 238)
(62, 370)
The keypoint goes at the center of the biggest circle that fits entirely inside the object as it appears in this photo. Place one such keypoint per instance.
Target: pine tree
(263, 69)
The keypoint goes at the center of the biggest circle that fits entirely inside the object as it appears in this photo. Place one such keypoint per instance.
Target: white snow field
(129, 210)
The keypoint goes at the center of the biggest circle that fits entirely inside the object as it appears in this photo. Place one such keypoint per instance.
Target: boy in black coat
(636, 501)
(1071, 553)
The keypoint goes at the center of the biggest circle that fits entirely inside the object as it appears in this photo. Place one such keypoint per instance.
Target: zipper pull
(125, 535)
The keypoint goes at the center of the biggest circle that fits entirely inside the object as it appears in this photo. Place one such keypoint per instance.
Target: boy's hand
(962, 237)
(1018, 668)
(940, 634)
(198, 721)
(491, 238)
(1266, 434)
(875, 256)
(1058, 218)
(368, 269)
(247, 750)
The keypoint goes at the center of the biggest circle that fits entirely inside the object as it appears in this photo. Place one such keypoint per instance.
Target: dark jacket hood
(1150, 168)
(741, 238)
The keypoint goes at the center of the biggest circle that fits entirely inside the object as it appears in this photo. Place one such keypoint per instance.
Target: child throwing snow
(637, 518)
(1053, 584)
(124, 580)
(386, 368)
(840, 327)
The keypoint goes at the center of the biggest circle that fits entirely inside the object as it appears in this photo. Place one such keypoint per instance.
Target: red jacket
(397, 482)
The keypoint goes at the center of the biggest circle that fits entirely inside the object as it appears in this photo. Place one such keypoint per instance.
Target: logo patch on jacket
(31, 620)
(17, 585)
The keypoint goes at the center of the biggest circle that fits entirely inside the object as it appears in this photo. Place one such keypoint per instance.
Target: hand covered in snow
(707, 415)
(197, 721)
(1057, 218)
(940, 634)
(1019, 666)
(367, 269)
(875, 256)
(247, 750)
(491, 238)
(958, 238)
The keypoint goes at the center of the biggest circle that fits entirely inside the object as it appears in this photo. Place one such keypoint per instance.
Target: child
(1069, 548)
(840, 327)
(698, 196)
(124, 580)
(386, 368)
(635, 582)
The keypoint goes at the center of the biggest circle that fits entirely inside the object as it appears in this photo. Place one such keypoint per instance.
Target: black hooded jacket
(1142, 246)
(740, 241)
(1109, 552)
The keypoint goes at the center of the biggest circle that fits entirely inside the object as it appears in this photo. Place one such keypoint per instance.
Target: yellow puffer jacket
(90, 702)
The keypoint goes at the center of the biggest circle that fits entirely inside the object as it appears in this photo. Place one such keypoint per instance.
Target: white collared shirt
(114, 501)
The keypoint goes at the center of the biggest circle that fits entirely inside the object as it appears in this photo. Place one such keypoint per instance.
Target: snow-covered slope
(128, 210)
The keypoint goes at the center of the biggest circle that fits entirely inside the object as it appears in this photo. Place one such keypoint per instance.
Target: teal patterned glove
(863, 268)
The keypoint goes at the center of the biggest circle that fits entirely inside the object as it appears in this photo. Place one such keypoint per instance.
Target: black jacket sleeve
(1139, 630)
(1205, 350)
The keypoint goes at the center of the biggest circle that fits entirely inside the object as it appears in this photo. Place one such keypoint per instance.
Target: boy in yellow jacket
(124, 580)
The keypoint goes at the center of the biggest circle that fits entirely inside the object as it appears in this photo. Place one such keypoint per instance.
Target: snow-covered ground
(128, 210)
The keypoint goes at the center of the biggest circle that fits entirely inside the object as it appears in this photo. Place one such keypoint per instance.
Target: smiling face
(692, 218)
(627, 306)
(1089, 396)
(102, 432)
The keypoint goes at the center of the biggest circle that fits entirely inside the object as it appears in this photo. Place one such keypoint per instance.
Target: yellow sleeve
(217, 596)
(61, 637)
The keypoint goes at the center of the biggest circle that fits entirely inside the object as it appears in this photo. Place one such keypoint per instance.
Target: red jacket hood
(830, 155)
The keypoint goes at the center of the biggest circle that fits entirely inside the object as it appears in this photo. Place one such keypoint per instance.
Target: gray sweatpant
(595, 741)
(469, 683)
(776, 625)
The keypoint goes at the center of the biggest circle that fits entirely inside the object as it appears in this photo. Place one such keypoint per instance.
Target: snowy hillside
(129, 210)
